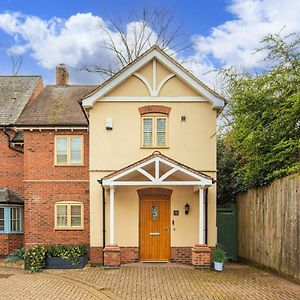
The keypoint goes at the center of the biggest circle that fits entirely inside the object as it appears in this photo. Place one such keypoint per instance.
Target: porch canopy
(158, 170)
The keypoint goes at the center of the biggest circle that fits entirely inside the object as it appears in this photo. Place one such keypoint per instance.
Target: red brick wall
(181, 255)
(39, 157)
(11, 166)
(129, 254)
(9, 243)
(96, 255)
(46, 184)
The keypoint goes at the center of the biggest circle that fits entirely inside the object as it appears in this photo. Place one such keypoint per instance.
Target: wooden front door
(155, 229)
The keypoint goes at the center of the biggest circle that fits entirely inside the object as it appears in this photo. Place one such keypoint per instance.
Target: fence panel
(269, 225)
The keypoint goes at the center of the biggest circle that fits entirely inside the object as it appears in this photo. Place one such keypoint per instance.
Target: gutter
(103, 218)
(9, 141)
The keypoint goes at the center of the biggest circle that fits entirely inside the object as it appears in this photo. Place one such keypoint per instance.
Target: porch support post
(112, 258)
(201, 253)
(201, 217)
(111, 215)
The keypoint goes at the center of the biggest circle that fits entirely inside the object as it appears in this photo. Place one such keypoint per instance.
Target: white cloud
(77, 41)
(234, 42)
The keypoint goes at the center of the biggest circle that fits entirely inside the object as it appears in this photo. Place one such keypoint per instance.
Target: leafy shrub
(219, 254)
(16, 256)
(67, 252)
(35, 258)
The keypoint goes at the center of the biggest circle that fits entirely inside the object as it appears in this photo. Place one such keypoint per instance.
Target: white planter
(218, 266)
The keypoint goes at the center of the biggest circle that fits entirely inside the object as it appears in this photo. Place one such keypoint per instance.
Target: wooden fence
(269, 225)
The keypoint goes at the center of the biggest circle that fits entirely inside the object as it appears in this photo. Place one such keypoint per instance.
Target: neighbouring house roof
(8, 196)
(150, 157)
(155, 51)
(15, 92)
(56, 106)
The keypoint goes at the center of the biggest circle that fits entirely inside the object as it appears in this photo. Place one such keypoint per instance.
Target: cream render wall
(192, 142)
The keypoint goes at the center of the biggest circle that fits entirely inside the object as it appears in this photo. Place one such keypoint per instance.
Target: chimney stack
(62, 75)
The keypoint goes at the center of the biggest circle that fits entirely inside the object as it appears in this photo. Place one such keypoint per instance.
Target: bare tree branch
(128, 38)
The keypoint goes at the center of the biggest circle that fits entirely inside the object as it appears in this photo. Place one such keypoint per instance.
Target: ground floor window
(69, 215)
(11, 219)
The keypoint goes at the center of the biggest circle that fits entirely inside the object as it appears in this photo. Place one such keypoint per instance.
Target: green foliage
(35, 258)
(219, 254)
(264, 141)
(226, 161)
(67, 252)
(16, 256)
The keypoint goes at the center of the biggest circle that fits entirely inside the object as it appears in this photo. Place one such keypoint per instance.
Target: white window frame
(154, 117)
(69, 204)
(69, 163)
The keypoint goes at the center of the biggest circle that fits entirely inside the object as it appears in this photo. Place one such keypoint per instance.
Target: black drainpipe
(103, 218)
(206, 212)
(8, 140)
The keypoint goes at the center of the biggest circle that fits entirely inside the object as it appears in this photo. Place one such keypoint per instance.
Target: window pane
(2, 219)
(14, 219)
(148, 131)
(161, 124)
(161, 131)
(76, 150)
(61, 150)
(76, 215)
(161, 138)
(62, 215)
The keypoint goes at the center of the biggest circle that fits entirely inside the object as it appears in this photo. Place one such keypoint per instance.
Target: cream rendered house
(152, 166)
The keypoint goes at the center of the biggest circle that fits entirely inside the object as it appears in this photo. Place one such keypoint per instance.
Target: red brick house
(84, 161)
(15, 93)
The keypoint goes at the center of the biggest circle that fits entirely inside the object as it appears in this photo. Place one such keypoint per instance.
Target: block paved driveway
(147, 281)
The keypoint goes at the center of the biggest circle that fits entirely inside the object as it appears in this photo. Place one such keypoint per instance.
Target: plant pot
(218, 266)
(62, 263)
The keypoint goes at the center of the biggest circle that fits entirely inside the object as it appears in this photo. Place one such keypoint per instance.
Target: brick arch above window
(148, 109)
(153, 192)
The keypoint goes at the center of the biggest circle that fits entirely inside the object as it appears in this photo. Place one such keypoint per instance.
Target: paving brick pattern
(147, 281)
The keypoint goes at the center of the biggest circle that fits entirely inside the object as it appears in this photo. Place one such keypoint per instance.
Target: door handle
(167, 228)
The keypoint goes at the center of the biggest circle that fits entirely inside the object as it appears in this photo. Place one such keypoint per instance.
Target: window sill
(11, 232)
(69, 229)
(153, 147)
(69, 165)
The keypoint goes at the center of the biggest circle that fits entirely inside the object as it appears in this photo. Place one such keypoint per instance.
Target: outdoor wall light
(186, 209)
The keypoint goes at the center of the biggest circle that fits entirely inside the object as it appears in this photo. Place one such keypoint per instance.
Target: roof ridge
(12, 76)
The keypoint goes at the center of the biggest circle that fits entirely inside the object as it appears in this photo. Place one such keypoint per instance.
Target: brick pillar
(96, 256)
(112, 257)
(201, 256)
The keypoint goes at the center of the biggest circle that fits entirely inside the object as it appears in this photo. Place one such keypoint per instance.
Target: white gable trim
(153, 99)
(197, 180)
(216, 102)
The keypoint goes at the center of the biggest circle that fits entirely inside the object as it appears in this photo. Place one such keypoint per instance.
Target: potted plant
(66, 257)
(219, 257)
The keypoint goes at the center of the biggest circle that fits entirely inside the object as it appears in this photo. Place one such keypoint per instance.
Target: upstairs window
(69, 215)
(68, 150)
(154, 131)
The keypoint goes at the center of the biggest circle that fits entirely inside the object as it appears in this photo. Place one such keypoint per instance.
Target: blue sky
(222, 33)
